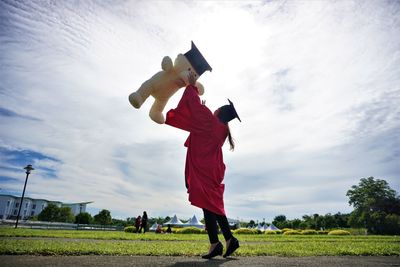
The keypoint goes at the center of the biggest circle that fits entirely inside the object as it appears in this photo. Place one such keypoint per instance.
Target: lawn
(72, 242)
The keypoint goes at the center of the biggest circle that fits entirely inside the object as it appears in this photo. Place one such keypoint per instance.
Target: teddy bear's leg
(156, 111)
(137, 98)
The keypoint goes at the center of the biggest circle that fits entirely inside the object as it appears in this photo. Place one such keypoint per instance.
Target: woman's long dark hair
(230, 139)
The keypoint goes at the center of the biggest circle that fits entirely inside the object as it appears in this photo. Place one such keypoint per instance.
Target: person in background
(169, 230)
(138, 221)
(159, 229)
(143, 224)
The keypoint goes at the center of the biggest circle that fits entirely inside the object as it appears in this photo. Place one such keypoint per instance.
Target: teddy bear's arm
(166, 64)
(156, 111)
(200, 88)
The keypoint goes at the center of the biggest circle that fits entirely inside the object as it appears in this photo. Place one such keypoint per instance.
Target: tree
(130, 220)
(158, 220)
(65, 215)
(252, 223)
(280, 221)
(52, 213)
(369, 192)
(49, 213)
(308, 222)
(83, 218)
(392, 224)
(103, 217)
(376, 206)
(341, 220)
(295, 224)
(279, 218)
(119, 222)
(319, 221)
(303, 225)
(329, 221)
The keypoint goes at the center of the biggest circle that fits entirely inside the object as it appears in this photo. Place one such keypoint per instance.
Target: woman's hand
(192, 78)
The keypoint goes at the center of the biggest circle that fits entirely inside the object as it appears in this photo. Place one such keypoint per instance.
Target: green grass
(103, 235)
(72, 242)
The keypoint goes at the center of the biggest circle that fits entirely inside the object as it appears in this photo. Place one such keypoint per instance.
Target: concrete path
(43, 261)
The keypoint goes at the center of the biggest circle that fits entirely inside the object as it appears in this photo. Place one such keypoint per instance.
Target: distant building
(9, 206)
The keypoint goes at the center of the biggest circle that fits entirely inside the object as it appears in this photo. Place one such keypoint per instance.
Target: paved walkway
(43, 261)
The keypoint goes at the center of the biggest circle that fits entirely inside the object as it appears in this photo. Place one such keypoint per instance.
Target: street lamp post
(28, 169)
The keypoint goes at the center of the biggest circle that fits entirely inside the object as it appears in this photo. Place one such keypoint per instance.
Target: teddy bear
(170, 79)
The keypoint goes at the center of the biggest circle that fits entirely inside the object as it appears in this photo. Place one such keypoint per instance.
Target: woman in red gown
(205, 168)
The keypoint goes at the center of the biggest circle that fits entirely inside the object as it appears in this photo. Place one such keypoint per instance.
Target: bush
(245, 231)
(308, 232)
(173, 229)
(271, 232)
(323, 232)
(292, 232)
(357, 231)
(130, 229)
(83, 218)
(339, 232)
(189, 230)
(286, 229)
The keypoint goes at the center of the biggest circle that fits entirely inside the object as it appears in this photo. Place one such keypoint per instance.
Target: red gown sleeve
(190, 115)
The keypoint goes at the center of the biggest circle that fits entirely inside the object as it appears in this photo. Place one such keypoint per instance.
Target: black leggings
(211, 224)
(142, 226)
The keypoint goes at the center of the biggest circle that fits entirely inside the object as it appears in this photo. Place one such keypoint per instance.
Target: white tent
(174, 221)
(153, 227)
(272, 227)
(194, 222)
(259, 227)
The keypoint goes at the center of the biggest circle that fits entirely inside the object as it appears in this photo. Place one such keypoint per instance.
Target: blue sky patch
(11, 114)
(14, 158)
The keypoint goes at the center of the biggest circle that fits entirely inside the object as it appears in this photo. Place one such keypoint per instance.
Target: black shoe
(215, 252)
(233, 245)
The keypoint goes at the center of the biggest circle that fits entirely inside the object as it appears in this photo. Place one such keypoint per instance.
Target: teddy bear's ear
(166, 63)
(197, 60)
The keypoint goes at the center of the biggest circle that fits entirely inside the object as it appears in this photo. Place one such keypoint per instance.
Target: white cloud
(315, 83)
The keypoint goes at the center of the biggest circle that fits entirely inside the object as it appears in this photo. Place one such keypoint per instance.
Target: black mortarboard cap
(228, 113)
(197, 60)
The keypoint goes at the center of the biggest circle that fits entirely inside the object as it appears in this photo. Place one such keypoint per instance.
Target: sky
(315, 83)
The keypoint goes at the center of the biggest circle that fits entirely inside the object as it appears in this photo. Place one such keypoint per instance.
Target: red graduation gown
(205, 168)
